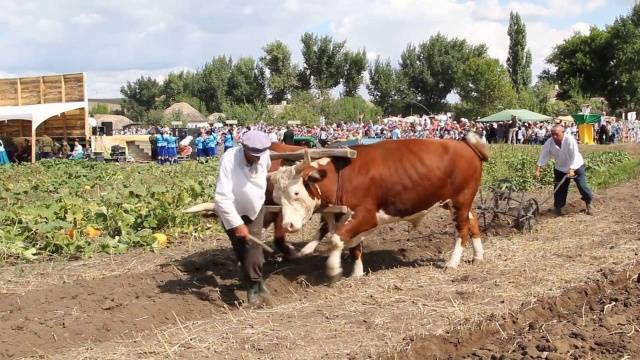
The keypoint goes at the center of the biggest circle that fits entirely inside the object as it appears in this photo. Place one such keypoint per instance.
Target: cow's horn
(307, 157)
(299, 167)
(208, 206)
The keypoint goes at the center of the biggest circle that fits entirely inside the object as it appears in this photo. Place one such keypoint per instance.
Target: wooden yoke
(313, 154)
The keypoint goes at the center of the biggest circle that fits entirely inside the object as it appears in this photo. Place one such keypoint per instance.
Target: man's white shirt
(567, 156)
(240, 189)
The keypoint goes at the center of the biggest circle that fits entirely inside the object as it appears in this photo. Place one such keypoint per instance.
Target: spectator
(288, 136)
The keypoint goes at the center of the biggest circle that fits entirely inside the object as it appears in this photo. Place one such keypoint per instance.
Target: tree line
(426, 76)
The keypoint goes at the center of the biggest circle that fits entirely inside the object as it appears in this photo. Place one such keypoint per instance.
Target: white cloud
(581, 27)
(87, 19)
(151, 37)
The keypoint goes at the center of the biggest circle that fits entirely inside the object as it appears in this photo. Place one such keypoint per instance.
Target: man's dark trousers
(560, 196)
(250, 254)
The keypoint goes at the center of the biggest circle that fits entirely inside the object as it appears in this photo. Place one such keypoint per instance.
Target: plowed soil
(569, 289)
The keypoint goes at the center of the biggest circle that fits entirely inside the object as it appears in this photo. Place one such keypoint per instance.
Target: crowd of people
(46, 148)
(212, 140)
(609, 130)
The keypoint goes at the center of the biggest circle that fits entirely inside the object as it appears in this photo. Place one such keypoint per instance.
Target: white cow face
(290, 192)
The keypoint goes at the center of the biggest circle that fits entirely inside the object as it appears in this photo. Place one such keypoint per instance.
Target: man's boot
(557, 211)
(253, 294)
(589, 210)
(265, 294)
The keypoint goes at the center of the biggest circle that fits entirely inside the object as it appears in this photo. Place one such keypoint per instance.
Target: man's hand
(538, 171)
(572, 173)
(241, 231)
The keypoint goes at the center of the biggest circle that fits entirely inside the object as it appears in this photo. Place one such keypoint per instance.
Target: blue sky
(119, 40)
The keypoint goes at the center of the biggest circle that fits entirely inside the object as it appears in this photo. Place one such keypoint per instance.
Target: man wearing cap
(239, 197)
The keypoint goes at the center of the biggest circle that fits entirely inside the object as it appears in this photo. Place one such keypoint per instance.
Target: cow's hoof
(450, 267)
(333, 279)
(477, 261)
(292, 255)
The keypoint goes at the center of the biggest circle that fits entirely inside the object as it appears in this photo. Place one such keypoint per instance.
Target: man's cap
(256, 142)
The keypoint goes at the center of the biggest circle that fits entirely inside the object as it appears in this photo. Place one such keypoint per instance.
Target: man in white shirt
(240, 195)
(569, 162)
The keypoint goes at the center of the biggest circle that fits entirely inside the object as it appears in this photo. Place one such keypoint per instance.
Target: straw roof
(216, 116)
(118, 121)
(187, 112)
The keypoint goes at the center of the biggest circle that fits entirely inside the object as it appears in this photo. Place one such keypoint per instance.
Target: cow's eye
(296, 193)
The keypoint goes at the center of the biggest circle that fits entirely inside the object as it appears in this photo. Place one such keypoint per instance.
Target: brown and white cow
(387, 182)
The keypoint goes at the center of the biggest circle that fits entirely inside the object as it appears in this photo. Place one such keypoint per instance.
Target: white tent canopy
(38, 113)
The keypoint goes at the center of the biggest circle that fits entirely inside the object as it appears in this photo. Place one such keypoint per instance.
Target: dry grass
(382, 312)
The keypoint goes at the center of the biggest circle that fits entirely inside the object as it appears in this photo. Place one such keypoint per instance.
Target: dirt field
(568, 290)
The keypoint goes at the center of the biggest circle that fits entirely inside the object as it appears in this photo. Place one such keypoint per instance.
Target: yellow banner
(585, 132)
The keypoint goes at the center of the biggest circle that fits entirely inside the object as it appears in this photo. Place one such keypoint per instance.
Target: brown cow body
(387, 182)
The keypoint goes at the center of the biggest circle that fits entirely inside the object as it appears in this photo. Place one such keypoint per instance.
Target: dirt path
(182, 303)
(599, 320)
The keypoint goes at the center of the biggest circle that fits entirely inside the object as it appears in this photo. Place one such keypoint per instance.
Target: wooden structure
(314, 154)
(52, 105)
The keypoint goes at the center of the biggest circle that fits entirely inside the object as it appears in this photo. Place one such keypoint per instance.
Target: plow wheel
(485, 210)
(527, 214)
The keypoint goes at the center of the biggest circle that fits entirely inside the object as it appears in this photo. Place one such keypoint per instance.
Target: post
(64, 91)
(33, 143)
(19, 92)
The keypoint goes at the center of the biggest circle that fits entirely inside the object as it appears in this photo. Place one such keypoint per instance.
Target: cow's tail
(475, 143)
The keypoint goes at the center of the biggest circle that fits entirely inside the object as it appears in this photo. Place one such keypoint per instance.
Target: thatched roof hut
(186, 111)
(118, 121)
(217, 116)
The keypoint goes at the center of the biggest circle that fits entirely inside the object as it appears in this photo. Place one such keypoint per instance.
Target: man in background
(288, 136)
(569, 163)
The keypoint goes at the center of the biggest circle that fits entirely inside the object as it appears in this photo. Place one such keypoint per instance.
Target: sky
(120, 40)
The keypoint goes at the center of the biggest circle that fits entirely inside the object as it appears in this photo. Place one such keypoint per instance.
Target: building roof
(187, 112)
(522, 114)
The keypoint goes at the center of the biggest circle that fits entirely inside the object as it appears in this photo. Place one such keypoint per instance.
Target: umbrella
(522, 114)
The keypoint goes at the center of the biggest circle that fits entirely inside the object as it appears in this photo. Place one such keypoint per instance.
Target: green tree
(431, 69)
(582, 64)
(519, 59)
(100, 109)
(177, 85)
(140, 97)
(622, 89)
(246, 82)
(355, 64)
(212, 83)
(484, 87)
(384, 85)
(282, 75)
(323, 62)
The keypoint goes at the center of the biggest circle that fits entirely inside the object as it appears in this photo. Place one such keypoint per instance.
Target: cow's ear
(316, 175)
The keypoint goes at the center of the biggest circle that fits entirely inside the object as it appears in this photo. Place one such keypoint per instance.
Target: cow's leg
(356, 256)
(476, 240)
(279, 235)
(361, 221)
(461, 214)
(327, 225)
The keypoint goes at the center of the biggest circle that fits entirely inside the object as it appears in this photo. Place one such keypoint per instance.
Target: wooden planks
(42, 89)
(314, 154)
(335, 209)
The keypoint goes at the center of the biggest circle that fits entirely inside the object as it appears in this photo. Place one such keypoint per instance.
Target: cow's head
(295, 189)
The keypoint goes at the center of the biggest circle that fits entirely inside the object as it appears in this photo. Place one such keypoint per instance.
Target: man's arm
(573, 150)
(543, 159)
(224, 199)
